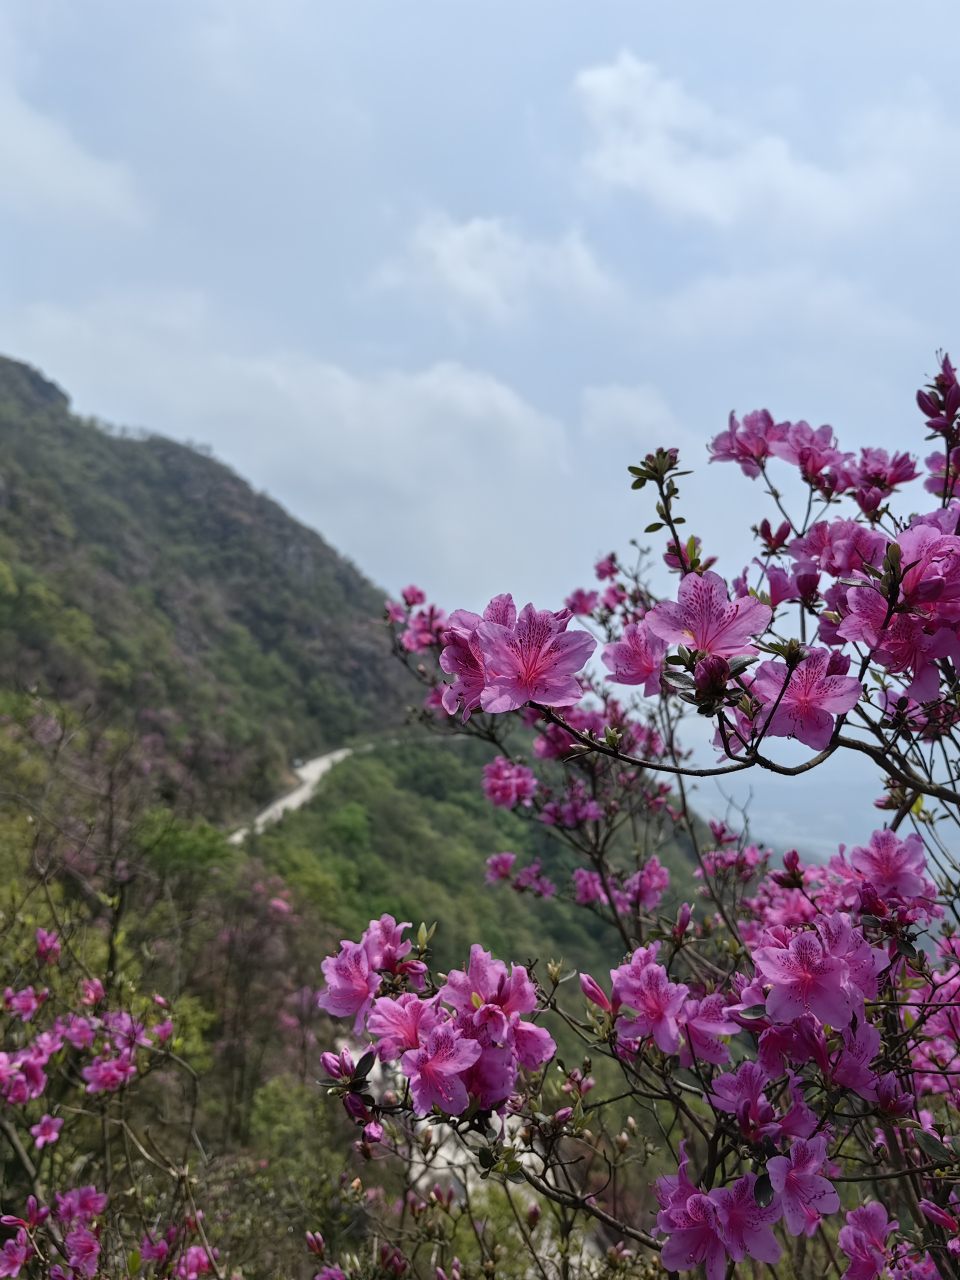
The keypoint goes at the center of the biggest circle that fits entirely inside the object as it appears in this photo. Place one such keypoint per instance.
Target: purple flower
(401, 1024)
(81, 1204)
(434, 1071)
(704, 619)
(746, 1226)
(462, 657)
(894, 866)
(500, 866)
(83, 1251)
(351, 984)
(48, 946)
(804, 1193)
(504, 784)
(748, 443)
(48, 1130)
(581, 603)
(534, 661)
(863, 1240)
(702, 1023)
(14, 1254)
(853, 1069)
(658, 1003)
(812, 698)
(106, 1075)
(636, 658)
(805, 978)
(695, 1237)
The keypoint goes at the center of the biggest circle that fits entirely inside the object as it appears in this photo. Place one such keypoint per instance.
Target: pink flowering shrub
(792, 1038)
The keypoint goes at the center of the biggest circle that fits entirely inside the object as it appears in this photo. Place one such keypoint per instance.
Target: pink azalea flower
(484, 993)
(742, 1094)
(532, 1045)
(80, 1204)
(14, 1254)
(636, 658)
(106, 1075)
(83, 1251)
(351, 984)
(462, 657)
(893, 866)
(658, 1003)
(23, 1003)
(195, 1262)
(695, 1237)
(48, 1130)
(648, 885)
(92, 991)
(589, 886)
(814, 451)
(413, 596)
(805, 979)
(702, 1023)
(800, 1121)
(901, 645)
(595, 994)
(534, 661)
(853, 1068)
(607, 567)
(401, 1024)
(500, 866)
(840, 547)
(748, 443)
(48, 946)
(864, 963)
(704, 619)
(804, 1193)
(746, 1226)
(581, 603)
(674, 1190)
(813, 697)
(434, 1071)
(504, 784)
(863, 1240)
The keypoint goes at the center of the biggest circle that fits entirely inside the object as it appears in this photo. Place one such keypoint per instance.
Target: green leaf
(906, 948)
(364, 1065)
(655, 527)
(763, 1191)
(933, 1147)
(133, 1262)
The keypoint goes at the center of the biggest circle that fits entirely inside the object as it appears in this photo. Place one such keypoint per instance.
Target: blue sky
(433, 274)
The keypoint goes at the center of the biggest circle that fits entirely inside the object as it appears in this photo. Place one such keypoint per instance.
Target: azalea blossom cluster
(793, 1038)
(465, 1038)
(69, 1045)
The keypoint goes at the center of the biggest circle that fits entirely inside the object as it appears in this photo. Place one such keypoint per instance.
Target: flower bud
(315, 1243)
(710, 676)
(533, 1216)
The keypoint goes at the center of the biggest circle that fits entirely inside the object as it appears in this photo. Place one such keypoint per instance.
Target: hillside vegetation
(145, 580)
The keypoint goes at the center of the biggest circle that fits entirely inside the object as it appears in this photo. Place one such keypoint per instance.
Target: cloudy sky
(433, 274)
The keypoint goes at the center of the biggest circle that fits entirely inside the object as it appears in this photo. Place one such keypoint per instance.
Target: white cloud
(804, 305)
(653, 137)
(47, 173)
(444, 472)
(485, 267)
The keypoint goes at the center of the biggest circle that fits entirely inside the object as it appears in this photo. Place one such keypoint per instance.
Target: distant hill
(147, 581)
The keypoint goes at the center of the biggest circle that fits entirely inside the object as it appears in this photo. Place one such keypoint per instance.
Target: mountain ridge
(143, 576)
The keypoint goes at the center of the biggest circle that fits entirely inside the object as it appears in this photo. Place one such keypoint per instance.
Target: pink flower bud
(534, 1214)
(594, 993)
(315, 1243)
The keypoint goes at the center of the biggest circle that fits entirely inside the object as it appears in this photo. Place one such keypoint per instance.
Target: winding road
(309, 774)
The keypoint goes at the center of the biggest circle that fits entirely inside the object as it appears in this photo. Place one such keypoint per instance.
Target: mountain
(143, 581)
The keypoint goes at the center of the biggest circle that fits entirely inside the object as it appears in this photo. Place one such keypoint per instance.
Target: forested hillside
(145, 580)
